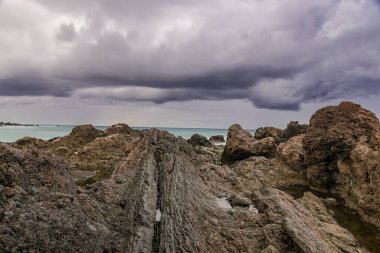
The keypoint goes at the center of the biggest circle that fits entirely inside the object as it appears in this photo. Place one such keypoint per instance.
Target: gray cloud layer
(277, 54)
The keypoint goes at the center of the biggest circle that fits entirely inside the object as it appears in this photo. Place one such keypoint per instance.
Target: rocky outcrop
(264, 132)
(342, 156)
(120, 128)
(307, 222)
(199, 140)
(292, 152)
(31, 142)
(293, 129)
(217, 139)
(161, 197)
(89, 151)
(241, 145)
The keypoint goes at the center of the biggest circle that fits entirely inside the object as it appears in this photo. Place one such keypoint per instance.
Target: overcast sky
(188, 63)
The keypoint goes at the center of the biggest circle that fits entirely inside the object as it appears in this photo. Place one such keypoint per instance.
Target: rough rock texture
(89, 149)
(292, 152)
(342, 156)
(161, 197)
(264, 132)
(217, 139)
(31, 142)
(199, 140)
(293, 129)
(241, 145)
(307, 222)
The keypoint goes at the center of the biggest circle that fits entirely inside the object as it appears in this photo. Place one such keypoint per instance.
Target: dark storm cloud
(277, 54)
(34, 87)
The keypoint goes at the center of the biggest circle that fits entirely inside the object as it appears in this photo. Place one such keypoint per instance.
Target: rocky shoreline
(125, 190)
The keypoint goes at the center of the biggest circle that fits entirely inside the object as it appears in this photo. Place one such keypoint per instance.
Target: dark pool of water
(367, 234)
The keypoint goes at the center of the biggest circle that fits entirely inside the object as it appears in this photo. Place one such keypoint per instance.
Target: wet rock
(217, 139)
(241, 145)
(342, 155)
(199, 140)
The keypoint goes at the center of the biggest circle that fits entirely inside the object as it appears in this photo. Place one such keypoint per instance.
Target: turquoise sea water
(45, 132)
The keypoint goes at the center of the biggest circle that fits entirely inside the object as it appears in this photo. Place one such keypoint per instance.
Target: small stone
(8, 192)
(119, 179)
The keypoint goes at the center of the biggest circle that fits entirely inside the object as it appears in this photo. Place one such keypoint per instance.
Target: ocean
(46, 132)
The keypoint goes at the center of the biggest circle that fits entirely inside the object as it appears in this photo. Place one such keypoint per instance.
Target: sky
(188, 63)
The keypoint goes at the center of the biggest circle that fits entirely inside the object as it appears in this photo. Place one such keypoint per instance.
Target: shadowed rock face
(217, 139)
(161, 197)
(241, 145)
(342, 155)
(293, 129)
(199, 140)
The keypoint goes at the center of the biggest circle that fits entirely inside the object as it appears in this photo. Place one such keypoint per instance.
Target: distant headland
(15, 124)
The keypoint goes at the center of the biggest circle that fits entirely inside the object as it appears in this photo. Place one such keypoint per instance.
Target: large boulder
(217, 139)
(241, 145)
(342, 156)
(85, 133)
(199, 140)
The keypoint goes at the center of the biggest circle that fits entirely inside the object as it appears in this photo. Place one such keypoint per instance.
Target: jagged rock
(241, 145)
(199, 140)
(264, 132)
(293, 129)
(166, 201)
(217, 139)
(31, 142)
(307, 222)
(342, 154)
(292, 152)
(120, 128)
(210, 154)
(89, 149)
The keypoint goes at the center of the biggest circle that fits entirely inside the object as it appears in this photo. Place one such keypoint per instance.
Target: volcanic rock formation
(241, 145)
(342, 149)
(161, 194)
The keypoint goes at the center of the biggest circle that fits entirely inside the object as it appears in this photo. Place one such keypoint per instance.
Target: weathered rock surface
(217, 139)
(342, 156)
(199, 140)
(89, 149)
(264, 132)
(293, 129)
(292, 152)
(241, 145)
(161, 197)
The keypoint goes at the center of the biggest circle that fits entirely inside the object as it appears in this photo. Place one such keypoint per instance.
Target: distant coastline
(16, 124)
